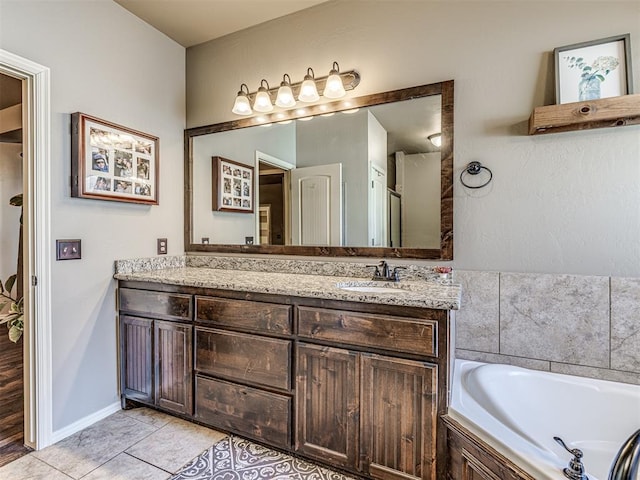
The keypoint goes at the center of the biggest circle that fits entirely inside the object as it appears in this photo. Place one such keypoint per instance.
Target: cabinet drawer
(244, 410)
(169, 306)
(244, 358)
(255, 316)
(397, 334)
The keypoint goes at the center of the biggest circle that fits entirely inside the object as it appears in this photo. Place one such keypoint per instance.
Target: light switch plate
(162, 246)
(68, 250)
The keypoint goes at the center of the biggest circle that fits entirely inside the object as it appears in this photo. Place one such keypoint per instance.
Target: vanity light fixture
(436, 139)
(308, 90)
(286, 95)
(242, 106)
(334, 87)
(262, 102)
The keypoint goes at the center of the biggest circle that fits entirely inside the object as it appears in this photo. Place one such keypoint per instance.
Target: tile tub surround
(580, 325)
(413, 293)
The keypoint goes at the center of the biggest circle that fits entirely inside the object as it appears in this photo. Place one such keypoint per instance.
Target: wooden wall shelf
(604, 112)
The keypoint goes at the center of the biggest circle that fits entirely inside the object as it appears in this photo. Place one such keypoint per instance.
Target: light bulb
(242, 106)
(262, 102)
(308, 89)
(285, 98)
(334, 87)
(436, 139)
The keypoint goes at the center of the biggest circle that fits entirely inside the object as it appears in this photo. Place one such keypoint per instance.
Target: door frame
(37, 350)
(286, 167)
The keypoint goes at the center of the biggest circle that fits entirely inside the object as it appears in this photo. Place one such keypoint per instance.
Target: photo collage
(237, 186)
(119, 164)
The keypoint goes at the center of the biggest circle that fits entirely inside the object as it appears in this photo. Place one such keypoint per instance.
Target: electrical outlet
(248, 240)
(68, 250)
(162, 246)
(205, 240)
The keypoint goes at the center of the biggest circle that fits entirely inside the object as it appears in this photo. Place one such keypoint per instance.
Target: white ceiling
(190, 22)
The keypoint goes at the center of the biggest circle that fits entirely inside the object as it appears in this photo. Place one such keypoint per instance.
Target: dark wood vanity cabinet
(376, 413)
(355, 386)
(156, 351)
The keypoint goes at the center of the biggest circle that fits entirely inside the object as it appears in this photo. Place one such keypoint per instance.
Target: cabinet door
(398, 408)
(137, 358)
(327, 412)
(173, 366)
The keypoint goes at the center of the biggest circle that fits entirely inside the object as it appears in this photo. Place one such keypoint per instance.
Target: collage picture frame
(112, 162)
(232, 186)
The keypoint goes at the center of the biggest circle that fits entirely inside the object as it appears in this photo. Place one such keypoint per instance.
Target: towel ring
(474, 168)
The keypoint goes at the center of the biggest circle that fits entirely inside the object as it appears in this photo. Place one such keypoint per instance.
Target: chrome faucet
(626, 464)
(384, 272)
(575, 470)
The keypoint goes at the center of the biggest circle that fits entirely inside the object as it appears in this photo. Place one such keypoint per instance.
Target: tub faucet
(575, 470)
(626, 464)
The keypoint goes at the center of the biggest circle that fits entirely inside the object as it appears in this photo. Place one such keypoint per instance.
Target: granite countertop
(412, 293)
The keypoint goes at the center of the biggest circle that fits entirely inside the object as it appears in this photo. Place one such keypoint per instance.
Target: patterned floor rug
(235, 458)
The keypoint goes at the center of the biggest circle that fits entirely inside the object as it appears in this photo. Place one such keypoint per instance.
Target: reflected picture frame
(232, 186)
(594, 69)
(111, 162)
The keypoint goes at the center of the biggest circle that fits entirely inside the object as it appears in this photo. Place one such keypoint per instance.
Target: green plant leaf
(16, 200)
(8, 284)
(15, 333)
(600, 77)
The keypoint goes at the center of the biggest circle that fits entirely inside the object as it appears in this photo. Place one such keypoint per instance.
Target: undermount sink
(371, 287)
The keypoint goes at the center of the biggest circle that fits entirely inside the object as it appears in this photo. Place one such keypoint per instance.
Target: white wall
(419, 180)
(10, 185)
(561, 203)
(107, 63)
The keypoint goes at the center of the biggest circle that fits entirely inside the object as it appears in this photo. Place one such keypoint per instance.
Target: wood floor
(11, 399)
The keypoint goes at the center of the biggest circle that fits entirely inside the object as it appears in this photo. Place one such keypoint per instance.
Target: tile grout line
(149, 463)
(48, 465)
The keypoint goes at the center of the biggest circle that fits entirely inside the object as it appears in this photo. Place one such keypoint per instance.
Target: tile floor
(137, 444)
(143, 444)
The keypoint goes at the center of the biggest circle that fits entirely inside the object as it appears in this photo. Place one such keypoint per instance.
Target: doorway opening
(273, 186)
(36, 338)
(12, 437)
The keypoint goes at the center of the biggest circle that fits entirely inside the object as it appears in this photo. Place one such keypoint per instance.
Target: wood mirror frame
(445, 252)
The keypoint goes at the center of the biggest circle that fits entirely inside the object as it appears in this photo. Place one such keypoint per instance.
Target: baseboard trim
(85, 422)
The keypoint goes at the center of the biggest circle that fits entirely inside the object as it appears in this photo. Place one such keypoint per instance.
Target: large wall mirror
(356, 177)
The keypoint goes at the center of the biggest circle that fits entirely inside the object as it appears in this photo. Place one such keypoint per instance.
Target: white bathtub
(519, 411)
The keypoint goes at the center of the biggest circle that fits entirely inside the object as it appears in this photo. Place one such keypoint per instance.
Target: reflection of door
(316, 194)
(272, 187)
(265, 224)
(395, 239)
(377, 208)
